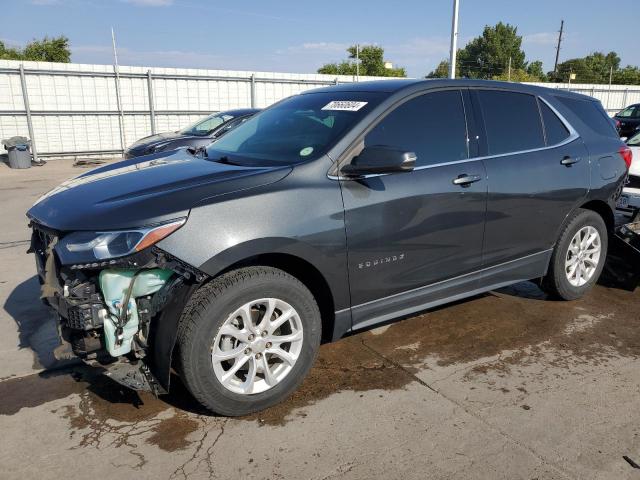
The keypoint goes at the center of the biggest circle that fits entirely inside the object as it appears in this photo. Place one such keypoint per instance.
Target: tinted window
(512, 121)
(432, 126)
(631, 112)
(591, 114)
(554, 129)
(298, 129)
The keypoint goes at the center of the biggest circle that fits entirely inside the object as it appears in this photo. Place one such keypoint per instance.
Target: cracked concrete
(507, 385)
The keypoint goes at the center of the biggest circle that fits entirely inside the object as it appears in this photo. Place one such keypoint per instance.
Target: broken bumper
(108, 311)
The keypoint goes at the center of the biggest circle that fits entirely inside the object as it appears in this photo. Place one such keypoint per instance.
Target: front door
(409, 230)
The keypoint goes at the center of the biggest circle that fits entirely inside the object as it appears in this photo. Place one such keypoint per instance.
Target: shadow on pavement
(36, 323)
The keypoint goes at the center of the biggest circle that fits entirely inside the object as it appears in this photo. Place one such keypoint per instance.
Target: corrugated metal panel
(74, 106)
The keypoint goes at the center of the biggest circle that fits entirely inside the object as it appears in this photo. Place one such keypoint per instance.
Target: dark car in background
(199, 134)
(628, 120)
(331, 211)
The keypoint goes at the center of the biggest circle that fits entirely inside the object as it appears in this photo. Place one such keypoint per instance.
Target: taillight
(626, 154)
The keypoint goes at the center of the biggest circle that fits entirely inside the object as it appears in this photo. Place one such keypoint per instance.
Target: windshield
(630, 112)
(205, 125)
(298, 129)
(634, 141)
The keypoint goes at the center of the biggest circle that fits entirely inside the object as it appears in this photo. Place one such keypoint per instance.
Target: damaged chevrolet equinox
(327, 213)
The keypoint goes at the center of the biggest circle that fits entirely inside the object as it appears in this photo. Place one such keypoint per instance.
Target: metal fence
(78, 110)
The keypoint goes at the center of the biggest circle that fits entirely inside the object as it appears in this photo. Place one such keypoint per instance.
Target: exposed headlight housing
(85, 247)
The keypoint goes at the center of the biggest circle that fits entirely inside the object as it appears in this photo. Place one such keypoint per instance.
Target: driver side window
(433, 126)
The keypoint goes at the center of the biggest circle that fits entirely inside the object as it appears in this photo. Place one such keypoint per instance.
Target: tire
(223, 302)
(559, 281)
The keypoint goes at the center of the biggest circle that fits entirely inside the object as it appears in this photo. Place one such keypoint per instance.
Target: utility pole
(357, 62)
(454, 40)
(555, 67)
(116, 70)
(509, 77)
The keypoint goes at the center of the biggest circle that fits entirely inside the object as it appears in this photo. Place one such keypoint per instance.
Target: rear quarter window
(555, 131)
(591, 114)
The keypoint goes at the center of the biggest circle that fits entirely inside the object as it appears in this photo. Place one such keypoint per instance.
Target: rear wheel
(578, 257)
(247, 339)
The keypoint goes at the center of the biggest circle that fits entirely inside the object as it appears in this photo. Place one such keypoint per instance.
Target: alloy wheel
(257, 346)
(583, 256)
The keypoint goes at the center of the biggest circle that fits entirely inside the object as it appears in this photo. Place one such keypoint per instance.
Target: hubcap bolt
(258, 356)
(264, 334)
(268, 345)
(251, 337)
(247, 351)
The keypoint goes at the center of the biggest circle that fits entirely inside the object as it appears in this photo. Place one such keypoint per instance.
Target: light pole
(454, 40)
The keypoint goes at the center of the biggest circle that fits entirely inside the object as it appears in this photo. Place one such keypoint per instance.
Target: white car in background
(630, 198)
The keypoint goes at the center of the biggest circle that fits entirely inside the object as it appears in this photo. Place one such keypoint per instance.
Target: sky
(300, 35)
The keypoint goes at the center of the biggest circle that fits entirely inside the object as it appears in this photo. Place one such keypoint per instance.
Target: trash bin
(18, 152)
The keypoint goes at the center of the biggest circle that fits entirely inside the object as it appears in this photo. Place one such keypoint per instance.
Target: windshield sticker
(306, 151)
(344, 105)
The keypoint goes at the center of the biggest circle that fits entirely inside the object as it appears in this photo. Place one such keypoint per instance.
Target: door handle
(465, 180)
(567, 161)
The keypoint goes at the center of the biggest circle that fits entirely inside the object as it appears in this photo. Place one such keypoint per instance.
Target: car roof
(396, 85)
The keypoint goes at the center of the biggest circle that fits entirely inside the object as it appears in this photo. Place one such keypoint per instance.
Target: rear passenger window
(591, 114)
(554, 129)
(432, 126)
(512, 121)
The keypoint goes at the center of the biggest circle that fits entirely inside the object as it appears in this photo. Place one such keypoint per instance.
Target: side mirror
(380, 159)
(624, 139)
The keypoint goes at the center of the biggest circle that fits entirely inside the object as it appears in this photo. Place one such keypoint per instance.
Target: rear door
(408, 230)
(538, 172)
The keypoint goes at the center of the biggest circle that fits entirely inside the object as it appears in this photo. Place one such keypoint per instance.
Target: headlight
(85, 247)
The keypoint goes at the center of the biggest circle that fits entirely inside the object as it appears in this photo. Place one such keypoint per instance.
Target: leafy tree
(518, 75)
(534, 69)
(45, 50)
(441, 71)
(488, 55)
(628, 75)
(594, 68)
(371, 64)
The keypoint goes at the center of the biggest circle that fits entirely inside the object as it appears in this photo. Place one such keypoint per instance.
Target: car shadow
(37, 325)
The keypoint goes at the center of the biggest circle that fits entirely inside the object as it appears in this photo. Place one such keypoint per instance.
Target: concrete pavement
(506, 385)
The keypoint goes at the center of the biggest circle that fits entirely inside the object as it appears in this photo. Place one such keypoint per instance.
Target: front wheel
(578, 257)
(247, 339)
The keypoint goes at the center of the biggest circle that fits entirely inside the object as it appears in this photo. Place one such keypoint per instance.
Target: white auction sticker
(345, 105)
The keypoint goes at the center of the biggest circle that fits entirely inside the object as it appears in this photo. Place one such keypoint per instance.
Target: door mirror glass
(380, 159)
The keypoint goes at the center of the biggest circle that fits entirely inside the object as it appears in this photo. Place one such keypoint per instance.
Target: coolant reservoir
(114, 284)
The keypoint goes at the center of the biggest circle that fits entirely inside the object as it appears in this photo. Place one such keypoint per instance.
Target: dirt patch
(35, 390)
(171, 434)
(343, 365)
(521, 320)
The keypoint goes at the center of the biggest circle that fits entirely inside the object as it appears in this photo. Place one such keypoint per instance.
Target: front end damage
(120, 314)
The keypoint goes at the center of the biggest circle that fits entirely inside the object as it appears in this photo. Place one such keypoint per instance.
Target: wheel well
(604, 210)
(307, 274)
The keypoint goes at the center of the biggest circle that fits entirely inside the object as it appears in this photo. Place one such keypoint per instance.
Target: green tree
(594, 68)
(441, 71)
(45, 50)
(488, 55)
(534, 69)
(628, 75)
(372, 63)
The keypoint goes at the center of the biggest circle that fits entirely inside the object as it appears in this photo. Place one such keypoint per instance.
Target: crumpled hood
(143, 191)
